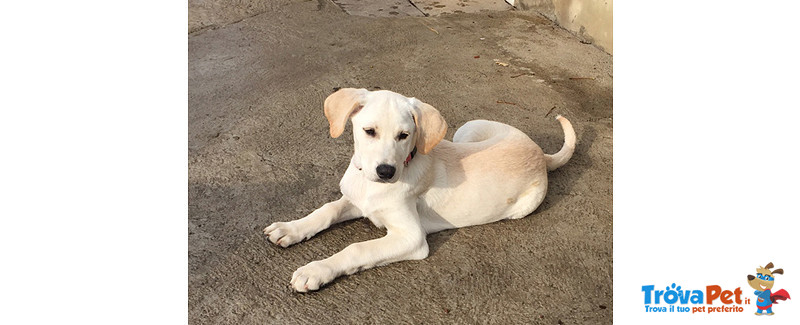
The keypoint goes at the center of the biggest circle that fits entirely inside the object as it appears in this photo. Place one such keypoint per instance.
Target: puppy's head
(387, 127)
(764, 279)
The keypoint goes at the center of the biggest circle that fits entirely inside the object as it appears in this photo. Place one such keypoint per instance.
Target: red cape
(779, 295)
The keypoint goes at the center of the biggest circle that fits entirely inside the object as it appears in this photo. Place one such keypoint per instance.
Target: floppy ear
(769, 266)
(778, 271)
(431, 127)
(340, 105)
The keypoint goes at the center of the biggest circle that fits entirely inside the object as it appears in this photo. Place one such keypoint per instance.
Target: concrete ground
(259, 152)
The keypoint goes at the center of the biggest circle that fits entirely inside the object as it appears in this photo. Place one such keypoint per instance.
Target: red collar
(410, 156)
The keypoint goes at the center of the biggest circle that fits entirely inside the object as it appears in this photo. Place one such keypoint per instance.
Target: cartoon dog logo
(763, 282)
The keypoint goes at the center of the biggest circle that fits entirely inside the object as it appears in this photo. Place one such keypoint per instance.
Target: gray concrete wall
(592, 20)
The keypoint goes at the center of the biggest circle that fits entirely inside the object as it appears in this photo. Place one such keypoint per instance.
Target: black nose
(750, 277)
(385, 171)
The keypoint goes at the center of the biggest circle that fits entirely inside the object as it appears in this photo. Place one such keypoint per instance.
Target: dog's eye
(402, 136)
(370, 132)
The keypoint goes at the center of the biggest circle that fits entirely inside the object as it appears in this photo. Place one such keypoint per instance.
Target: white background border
(93, 134)
(706, 159)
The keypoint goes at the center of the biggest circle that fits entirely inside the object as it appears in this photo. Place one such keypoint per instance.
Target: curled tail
(562, 156)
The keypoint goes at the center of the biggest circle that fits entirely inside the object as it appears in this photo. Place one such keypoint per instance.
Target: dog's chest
(371, 198)
(352, 186)
(356, 189)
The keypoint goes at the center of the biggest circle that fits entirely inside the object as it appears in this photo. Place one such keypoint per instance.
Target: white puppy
(404, 177)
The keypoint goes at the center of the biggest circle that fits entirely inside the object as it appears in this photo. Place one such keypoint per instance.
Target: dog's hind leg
(288, 233)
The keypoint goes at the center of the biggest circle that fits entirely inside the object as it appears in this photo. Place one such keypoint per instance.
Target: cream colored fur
(491, 171)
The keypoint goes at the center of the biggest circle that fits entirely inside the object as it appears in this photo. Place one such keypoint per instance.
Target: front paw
(284, 233)
(311, 276)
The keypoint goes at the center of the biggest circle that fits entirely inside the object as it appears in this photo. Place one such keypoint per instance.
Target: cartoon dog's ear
(779, 271)
(769, 266)
(431, 126)
(342, 104)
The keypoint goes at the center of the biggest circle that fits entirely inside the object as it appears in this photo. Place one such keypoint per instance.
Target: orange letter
(712, 292)
(726, 297)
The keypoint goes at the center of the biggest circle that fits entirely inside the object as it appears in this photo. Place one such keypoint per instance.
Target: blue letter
(697, 297)
(647, 293)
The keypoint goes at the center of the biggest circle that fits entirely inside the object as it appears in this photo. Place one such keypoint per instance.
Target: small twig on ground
(581, 78)
(505, 102)
(433, 30)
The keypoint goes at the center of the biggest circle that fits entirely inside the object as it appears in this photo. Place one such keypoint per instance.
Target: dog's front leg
(288, 233)
(404, 240)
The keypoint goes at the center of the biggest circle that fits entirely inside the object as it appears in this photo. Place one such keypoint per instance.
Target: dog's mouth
(762, 286)
(386, 181)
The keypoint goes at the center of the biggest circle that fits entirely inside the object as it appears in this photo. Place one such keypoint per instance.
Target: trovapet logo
(675, 299)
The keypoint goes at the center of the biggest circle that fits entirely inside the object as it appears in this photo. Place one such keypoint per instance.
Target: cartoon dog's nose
(750, 277)
(385, 171)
